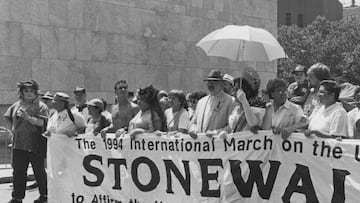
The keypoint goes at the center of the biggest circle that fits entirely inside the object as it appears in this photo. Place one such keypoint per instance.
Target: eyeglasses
(121, 88)
(191, 101)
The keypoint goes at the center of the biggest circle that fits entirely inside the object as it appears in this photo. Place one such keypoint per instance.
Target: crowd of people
(310, 105)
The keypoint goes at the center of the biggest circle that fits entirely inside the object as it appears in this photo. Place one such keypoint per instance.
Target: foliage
(336, 44)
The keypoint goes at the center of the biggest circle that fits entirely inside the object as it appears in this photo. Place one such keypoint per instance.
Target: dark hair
(180, 95)
(357, 90)
(120, 81)
(197, 95)
(274, 84)
(320, 71)
(149, 95)
(332, 87)
(32, 84)
(247, 88)
(104, 102)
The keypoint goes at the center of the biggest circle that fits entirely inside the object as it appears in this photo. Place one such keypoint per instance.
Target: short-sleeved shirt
(60, 123)
(237, 119)
(177, 120)
(26, 135)
(286, 115)
(94, 127)
(353, 117)
(143, 120)
(332, 120)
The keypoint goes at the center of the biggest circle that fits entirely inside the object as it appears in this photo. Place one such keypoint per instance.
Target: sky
(348, 2)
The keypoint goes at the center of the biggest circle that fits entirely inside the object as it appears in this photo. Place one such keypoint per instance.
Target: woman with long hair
(150, 118)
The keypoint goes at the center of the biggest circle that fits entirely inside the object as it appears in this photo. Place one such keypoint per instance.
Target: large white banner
(242, 168)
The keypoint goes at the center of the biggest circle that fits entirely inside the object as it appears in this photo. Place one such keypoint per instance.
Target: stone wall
(93, 43)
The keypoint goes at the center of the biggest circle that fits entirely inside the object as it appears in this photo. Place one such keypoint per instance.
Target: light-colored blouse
(143, 120)
(177, 120)
(332, 120)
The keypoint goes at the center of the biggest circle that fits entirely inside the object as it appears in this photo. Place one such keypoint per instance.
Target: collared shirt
(60, 123)
(26, 135)
(332, 120)
(353, 117)
(286, 115)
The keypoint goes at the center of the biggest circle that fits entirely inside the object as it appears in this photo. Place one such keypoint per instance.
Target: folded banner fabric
(242, 167)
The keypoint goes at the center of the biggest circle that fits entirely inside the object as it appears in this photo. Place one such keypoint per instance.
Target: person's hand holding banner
(193, 134)
(136, 132)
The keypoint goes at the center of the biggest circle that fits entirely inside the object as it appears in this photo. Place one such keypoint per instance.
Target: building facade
(93, 43)
(351, 13)
(303, 12)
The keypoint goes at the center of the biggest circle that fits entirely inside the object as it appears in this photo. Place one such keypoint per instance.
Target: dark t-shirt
(297, 93)
(26, 135)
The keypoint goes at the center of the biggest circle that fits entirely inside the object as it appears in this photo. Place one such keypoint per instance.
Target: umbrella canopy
(242, 43)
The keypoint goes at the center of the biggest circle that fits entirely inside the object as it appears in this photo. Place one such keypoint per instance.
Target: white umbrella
(242, 43)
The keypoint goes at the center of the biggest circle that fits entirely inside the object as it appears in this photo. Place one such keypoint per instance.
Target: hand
(308, 133)
(120, 132)
(285, 133)
(338, 138)
(46, 134)
(223, 135)
(23, 114)
(255, 129)
(210, 133)
(103, 133)
(158, 133)
(269, 105)
(240, 95)
(135, 132)
(276, 130)
(193, 134)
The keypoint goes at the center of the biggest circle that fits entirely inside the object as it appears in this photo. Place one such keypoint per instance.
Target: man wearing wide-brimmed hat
(212, 112)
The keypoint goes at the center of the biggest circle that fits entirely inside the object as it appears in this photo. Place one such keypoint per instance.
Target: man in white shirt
(65, 121)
